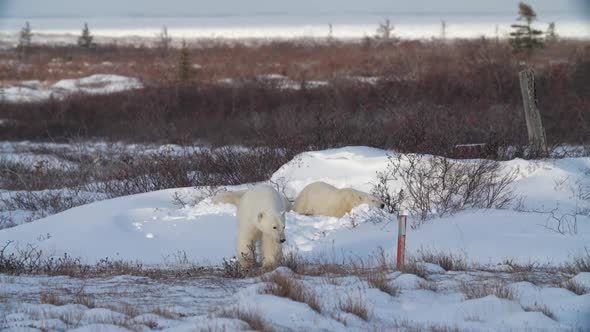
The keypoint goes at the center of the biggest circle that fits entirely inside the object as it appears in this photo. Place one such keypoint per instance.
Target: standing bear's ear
(260, 216)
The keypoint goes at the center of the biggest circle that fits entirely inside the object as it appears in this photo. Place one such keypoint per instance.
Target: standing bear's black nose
(382, 205)
(283, 240)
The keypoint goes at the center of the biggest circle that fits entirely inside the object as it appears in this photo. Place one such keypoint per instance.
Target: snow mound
(35, 91)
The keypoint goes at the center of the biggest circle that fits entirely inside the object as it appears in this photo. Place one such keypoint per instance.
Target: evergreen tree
(184, 65)
(525, 38)
(85, 40)
(385, 30)
(165, 39)
(25, 39)
(551, 35)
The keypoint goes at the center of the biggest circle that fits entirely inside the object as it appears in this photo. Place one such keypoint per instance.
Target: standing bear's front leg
(246, 247)
(272, 252)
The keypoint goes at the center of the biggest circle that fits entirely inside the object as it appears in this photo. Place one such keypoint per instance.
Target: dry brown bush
(431, 96)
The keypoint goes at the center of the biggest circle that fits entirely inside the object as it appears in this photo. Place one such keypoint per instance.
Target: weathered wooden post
(532, 115)
(402, 220)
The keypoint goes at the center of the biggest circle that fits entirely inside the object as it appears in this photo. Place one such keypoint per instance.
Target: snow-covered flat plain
(151, 229)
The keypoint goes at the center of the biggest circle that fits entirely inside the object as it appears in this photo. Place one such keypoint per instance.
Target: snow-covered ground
(138, 303)
(31, 91)
(151, 229)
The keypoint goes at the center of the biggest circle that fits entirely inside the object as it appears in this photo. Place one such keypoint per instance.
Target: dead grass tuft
(413, 266)
(378, 279)
(575, 287)
(428, 285)
(251, 317)
(281, 285)
(448, 261)
(580, 263)
(355, 305)
(542, 308)
(166, 313)
(476, 290)
(51, 297)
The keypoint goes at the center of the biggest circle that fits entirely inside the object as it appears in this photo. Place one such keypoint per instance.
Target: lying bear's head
(357, 198)
(272, 224)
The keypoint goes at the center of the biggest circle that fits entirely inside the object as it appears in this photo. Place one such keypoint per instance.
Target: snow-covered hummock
(148, 227)
(32, 91)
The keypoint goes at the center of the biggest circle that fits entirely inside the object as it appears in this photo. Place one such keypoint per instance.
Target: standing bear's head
(272, 224)
(354, 198)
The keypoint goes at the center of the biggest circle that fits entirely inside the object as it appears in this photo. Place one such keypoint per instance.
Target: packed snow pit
(163, 259)
(33, 91)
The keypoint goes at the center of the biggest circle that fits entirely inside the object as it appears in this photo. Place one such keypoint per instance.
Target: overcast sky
(31, 8)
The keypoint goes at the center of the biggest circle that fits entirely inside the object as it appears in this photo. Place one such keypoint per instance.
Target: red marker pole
(402, 220)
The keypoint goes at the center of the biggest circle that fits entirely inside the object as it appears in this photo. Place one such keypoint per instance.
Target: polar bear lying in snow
(324, 199)
(261, 218)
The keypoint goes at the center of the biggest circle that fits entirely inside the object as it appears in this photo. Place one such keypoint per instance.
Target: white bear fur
(228, 197)
(320, 198)
(261, 218)
(233, 197)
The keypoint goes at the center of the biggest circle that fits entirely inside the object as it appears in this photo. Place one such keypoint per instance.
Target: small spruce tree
(164, 40)
(184, 65)
(385, 30)
(25, 38)
(551, 35)
(85, 40)
(525, 38)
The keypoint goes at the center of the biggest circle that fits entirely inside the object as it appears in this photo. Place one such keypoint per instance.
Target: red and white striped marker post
(402, 220)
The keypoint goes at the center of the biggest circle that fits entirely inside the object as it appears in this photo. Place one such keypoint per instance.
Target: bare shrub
(355, 305)
(43, 203)
(382, 190)
(281, 285)
(233, 269)
(437, 186)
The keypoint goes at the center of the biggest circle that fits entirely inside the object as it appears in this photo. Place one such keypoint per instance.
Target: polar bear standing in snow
(261, 218)
(234, 197)
(324, 199)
